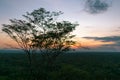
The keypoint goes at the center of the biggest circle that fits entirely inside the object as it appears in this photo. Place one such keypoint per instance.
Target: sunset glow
(98, 24)
(81, 42)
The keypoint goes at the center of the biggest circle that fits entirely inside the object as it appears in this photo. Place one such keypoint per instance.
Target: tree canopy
(41, 30)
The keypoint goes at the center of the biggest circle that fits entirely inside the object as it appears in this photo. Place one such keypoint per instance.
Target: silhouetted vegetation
(42, 33)
(44, 38)
(70, 66)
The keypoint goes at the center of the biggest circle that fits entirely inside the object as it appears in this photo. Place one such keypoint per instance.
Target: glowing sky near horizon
(102, 24)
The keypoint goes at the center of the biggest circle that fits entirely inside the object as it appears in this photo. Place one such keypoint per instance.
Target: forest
(70, 66)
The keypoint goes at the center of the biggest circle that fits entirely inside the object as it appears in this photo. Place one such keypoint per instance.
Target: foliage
(69, 72)
(52, 37)
(41, 32)
(71, 66)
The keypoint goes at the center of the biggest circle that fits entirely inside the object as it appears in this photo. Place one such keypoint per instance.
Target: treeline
(72, 66)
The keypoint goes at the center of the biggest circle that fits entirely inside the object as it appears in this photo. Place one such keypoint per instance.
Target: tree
(43, 32)
(53, 37)
(21, 32)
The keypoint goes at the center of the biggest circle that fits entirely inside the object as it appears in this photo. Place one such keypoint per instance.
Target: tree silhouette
(21, 32)
(43, 32)
(52, 37)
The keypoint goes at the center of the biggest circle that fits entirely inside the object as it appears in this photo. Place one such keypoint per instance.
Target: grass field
(74, 66)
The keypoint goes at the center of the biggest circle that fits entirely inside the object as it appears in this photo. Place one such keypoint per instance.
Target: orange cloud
(81, 42)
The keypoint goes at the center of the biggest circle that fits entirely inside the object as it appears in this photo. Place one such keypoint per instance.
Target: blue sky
(102, 24)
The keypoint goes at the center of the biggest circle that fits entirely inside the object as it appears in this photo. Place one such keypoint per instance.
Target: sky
(99, 20)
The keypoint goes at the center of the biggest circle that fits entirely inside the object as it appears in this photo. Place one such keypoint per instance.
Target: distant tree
(43, 32)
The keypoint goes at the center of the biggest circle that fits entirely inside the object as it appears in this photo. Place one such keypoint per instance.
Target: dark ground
(74, 66)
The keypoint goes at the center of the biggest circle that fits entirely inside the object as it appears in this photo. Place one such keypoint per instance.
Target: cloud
(115, 46)
(117, 30)
(114, 39)
(97, 6)
(105, 39)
